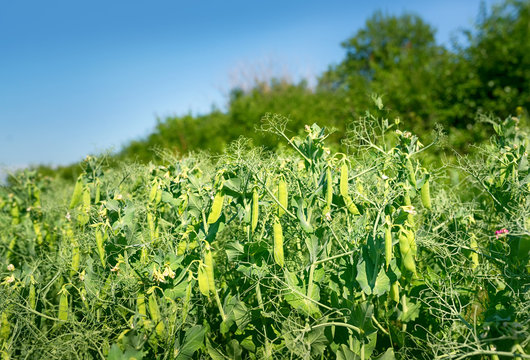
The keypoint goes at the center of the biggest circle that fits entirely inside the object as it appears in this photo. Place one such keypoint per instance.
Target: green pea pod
(278, 243)
(388, 241)
(32, 302)
(63, 305)
(38, 232)
(204, 286)
(140, 305)
(10, 248)
(153, 229)
(153, 191)
(411, 172)
(209, 265)
(255, 209)
(282, 196)
(78, 191)
(187, 298)
(97, 195)
(86, 198)
(329, 191)
(343, 185)
(154, 311)
(217, 208)
(407, 253)
(474, 255)
(408, 202)
(5, 326)
(426, 195)
(100, 246)
(76, 258)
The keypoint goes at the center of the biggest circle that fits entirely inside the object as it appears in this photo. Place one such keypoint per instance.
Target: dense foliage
(300, 253)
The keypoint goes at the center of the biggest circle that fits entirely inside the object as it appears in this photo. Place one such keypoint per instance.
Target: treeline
(420, 81)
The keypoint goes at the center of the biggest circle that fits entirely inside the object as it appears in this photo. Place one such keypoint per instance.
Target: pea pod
(32, 302)
(187, 298)
(153, 191)
(63, 305)
(408, 202)
(474, 255)
(10, 248)
(5, 326)
(407, 249)
(217, 208)
(282, 196)
(97, 195)
(154, 311)
(38, 232)
(343, 187)
(15, 213)
(208, 263)
(388, 241)
(101, 248)
(78, 191)
(426, 194)
(140, 305)
(329, 191)
(76, 258)
(411, 172)
(204, 286)
(153, 229)
(278, 243)
(255, 209)
(84, 215)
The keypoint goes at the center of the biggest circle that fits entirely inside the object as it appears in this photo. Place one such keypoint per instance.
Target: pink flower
(501, 232)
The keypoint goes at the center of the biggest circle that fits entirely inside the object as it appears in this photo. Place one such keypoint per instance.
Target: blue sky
(80, 77)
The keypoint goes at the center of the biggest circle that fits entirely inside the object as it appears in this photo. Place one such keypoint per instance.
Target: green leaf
(410, 311)
(115, 353)
(388, 355)
(213, 352)
(344, 353)
(233, 350)
(370, 284)
(193, 340)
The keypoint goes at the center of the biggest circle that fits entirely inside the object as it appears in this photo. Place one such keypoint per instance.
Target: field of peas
(304, 253)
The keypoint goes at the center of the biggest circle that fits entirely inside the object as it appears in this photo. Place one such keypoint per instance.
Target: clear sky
(80, 77)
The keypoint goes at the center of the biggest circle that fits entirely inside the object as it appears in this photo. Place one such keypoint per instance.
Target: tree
(499, 56)
(396, 57)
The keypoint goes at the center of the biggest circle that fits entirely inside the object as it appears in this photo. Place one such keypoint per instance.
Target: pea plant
(303, 253)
